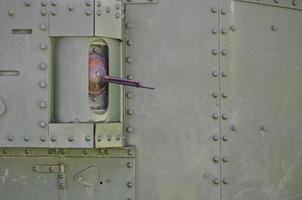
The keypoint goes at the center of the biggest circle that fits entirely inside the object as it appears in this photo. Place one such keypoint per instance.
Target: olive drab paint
(221, 120)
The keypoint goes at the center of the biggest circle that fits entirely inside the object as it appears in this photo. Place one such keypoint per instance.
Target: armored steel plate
(60, 175)
(170, 45)
(24, 74)
(264, 103)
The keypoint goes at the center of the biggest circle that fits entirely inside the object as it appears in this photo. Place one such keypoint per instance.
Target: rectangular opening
(22, 31)
(9, 73)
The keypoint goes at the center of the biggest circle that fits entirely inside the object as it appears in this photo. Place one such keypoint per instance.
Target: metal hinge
(57, 169)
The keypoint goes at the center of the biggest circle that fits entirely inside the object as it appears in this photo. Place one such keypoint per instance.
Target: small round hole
(101, 183)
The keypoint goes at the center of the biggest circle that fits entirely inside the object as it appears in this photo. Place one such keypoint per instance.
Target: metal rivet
(223, 52)
(11, 13)
(276, 1)
(99, 138)
(10, 138)
(129, 184)
(216, 181)
(264, 128)
(129, 95)
(5, 151)
(88, 3)
(27, 3)
(43, 66)
(53, 138)
(26, 138)
(232, 28)
(130, 129)
(214, 52)
(43, 46)
(51, 169)
(224, 74)
(214, 94)
(130, 153)
(35, 168)
(53, 13)
(117, 15)
(294, 2)
(224, 31)
(43, 3)
(43, 138)
(234, 128)
(87, 138)
(213, 9)
(224, 95)
(118, 138)
(129, 26)
(43, 104)
(215, 116)
(88, 12)
(43, 27)
(225, 181)
(215, 159)
(130, 112)
(42, 124)
(129, 77)
(98, 3)
(274, 28)
(214, 73)
(85, 152)
(129, 42)
(223, 12)
(42, 84)
(53, 3)
(27, 151)
(214, 31)
(206, 175)
(215, 137)
(225, 138)
(117, 6)
(109, 138)
(129, 60)
(108, 9)
(70, 138)
(225, 159)
(129, 165)
(98, 12)
(70, 8)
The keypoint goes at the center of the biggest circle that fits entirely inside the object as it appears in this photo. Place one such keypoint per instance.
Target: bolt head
(214, 94)
(223, 12)
(225, 138)
(225, 159)
(10, 138)
(99, 138)
(215, 159)
(108, 9)
(215, 137)
(98, 12)
(42, 84)
(43, 138)
(70, 138)
(42, 124)
(216, 181)
(214, 31)
(129, 165)
(213, 9)
(224, 116)
(43, 104)
(11, 13)
(215, 116)
(53, 138)
(224, 31)
(223, 52)
(234, 128)
(130, 112)
(225, 181)
(214, 73)
(87, 138)
(129, 184)
(26, 138)
(214, 52)
(43, 27)
(53, 13)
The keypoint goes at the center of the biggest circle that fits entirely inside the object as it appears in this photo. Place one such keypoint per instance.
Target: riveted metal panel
(173, 46)
(109, 135)
(71, 17)
(114, 178)
(263, 140)
(109, 15)
(19, 181)
(71, 135)
(37, 174)
(140, 1)
(24, 74)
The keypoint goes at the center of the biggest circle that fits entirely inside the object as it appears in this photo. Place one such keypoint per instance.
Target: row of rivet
(43, 67)
(129, 60)
(110, 138)
(64, 151)
(293, 2)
